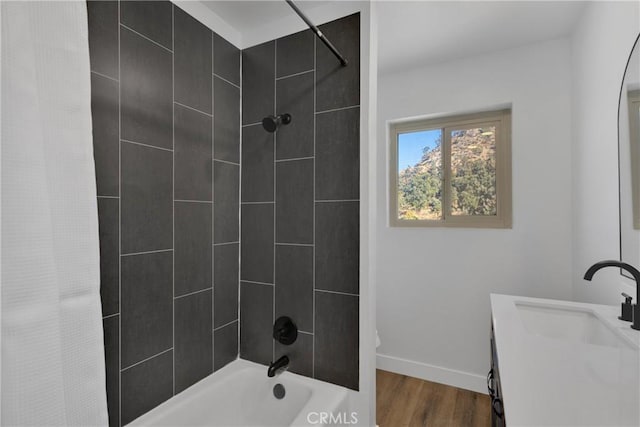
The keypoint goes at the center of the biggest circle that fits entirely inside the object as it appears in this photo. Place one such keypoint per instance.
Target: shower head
(272, 123)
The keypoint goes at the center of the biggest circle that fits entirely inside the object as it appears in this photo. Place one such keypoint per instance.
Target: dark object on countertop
(636, 276)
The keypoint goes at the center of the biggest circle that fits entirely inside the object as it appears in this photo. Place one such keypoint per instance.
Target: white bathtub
(241, 394)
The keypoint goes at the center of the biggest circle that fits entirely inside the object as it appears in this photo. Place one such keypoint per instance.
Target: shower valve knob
(285, 331)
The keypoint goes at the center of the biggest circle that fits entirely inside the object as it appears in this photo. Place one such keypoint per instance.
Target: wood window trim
(503, 217)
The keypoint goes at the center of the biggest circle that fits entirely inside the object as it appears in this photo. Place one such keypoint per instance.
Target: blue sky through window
(412, 144)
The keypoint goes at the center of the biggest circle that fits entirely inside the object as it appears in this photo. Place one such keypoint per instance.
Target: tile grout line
(252, 124)
(147, 359)
(108, 197)
(119, 221)
(213, 231)
(192, 201)
(295, 244)
(257, 283)
(275, 183)
(337, 201)
(146, 252)
(313, 265)
(193, 293)
(239, 254)
(337, 293)
(193, 109)
(225, 325)
(147, 38)
(226, 161)
(110, 316)
(225, 80)
(173, 192)
(295, 74)
(257, 203)
(146, 145)
(338, 109)
(226, 243)
(294, 159)
(105, 76)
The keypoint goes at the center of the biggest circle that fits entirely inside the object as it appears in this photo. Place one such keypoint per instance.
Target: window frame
(501, 119)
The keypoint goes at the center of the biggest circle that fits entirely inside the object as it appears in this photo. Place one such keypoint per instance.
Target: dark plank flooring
(408, 401)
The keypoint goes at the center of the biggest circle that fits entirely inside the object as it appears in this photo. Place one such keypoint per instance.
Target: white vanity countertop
(552, 381)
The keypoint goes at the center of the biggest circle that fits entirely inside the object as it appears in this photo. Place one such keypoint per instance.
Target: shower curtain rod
(318, 33)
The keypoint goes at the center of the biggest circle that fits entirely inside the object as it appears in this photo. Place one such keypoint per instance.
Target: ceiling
(417, 33)
(414, 33)
(247, 15)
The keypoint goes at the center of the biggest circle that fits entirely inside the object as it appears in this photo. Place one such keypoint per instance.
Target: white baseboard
(436, 374)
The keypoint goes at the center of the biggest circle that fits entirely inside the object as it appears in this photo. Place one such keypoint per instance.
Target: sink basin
(568, 324)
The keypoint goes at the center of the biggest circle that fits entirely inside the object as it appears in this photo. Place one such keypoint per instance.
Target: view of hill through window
(421, 173)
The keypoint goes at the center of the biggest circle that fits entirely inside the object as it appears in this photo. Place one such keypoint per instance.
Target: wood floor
(407, 401)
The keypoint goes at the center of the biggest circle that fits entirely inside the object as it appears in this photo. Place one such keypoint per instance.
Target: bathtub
(241, 394)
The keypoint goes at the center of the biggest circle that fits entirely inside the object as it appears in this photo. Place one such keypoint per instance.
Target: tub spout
(278, 366)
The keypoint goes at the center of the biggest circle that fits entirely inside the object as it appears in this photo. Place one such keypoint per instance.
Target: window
(452, 171)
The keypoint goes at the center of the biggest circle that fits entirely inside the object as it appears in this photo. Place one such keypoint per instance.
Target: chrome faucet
(636, 276)
(278, 366)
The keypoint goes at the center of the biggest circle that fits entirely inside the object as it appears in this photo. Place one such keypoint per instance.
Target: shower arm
(318, 33)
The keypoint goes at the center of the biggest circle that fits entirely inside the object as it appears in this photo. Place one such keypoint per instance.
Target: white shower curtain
(52, 342)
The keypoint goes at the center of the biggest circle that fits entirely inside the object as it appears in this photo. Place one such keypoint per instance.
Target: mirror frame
(624, 74)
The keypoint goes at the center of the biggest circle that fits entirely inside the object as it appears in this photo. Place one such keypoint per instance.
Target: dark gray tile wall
(166, 127)
(300, 202)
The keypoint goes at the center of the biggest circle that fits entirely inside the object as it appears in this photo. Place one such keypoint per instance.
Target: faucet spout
(636, 276)
(278, 366)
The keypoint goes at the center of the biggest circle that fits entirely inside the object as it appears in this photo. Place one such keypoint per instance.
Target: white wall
(601, 45)
(433, 311)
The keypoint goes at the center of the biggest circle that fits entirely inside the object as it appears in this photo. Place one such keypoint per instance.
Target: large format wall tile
(316, 185)
(257, 243)
(104, 120)
(149, 18)
(103, 37)
(256, 324)
(294, 201)
(337, 339)
(109, 222)
(295, 53)
(338, 246)
(193, 346)
(193, 247)
(146, 93)
(338, 86)
(111, 327)
(225, 284)
(147, 306)
(294, 284)
(147, 202)
(146, 385)
(192, 154)
(338, 155)
(300, 354)
(226, 202)
(226, 60)
(153, 157)
(226, 345)
(257, 164)
(192, 62)
(294, 95)
(226, 121)
(258, 75)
